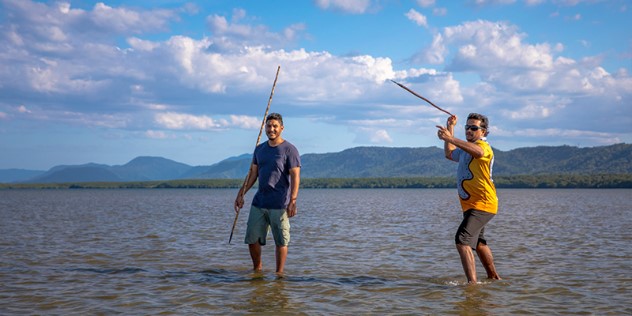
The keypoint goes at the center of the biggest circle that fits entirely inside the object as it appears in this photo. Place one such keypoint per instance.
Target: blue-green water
(353, 252)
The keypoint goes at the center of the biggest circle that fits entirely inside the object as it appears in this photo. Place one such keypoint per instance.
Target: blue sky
(105, 82)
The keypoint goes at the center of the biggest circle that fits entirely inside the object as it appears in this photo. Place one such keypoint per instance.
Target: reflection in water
(267, 295)
(475, 300)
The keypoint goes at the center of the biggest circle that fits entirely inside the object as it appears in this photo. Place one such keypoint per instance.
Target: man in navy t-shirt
(277, 165)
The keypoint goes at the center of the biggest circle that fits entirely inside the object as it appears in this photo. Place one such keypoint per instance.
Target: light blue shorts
(260, 220)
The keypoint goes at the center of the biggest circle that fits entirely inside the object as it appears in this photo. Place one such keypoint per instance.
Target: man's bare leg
(281, 255)
(487, 259)
(467, 260)
(255, 254)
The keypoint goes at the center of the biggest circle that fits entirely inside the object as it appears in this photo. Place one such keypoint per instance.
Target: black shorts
(472, 228)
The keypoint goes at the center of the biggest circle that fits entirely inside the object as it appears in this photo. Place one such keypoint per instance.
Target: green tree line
(516, 181)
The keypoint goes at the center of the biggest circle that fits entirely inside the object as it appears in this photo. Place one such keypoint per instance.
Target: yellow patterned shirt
(474, 179)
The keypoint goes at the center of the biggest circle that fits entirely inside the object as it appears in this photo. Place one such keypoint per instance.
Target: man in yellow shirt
(476, 190)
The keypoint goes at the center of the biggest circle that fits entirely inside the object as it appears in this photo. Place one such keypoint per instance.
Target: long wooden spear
(263, 123)
(417, 95)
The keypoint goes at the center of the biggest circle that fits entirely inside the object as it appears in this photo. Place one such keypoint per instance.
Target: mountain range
(358, 162)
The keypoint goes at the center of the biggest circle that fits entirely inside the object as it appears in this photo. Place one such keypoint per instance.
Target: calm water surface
(371, 251)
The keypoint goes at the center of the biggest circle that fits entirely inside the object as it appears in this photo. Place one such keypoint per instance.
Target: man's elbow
(478, 154)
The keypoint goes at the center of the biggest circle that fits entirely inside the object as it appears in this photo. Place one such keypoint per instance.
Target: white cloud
(381, 136)
(244, 121)
(183, 121)
(417, 17)
(433, 85)
(157, 134)
(152, 73)
(3, 115)
(436, 53)
(142, 45)
(58, 78)
(172, 120)
(68, 58)
(484, 45)
(492, 2)
(23, 109)
(85, 119)
(534, 2)
(156, 106)
(349, 6)
(426, 3)
(497, 52)
(235, 34)
(440, 11)
(565, 133)
(530, 111)
(373, 136)
(124, 20)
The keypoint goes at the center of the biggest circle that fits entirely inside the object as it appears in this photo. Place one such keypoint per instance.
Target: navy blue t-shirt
(274, 164)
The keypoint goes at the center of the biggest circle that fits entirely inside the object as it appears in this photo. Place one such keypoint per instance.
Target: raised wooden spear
(419, 96)
(263, 123)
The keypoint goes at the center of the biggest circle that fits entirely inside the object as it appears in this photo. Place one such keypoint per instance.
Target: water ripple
(353, 251)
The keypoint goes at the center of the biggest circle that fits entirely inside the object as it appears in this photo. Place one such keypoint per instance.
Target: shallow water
(358, 251)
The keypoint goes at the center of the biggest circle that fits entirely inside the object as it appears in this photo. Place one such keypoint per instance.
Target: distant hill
(150, 168)
(372, 162)
(231, 168)
(138, 169)
(18, 175)
(613, 159)
(358, 162)
(83, 173)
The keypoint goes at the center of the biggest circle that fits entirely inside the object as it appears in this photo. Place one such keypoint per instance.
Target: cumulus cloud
(529, 84)
(176, 73)
(381, 136)
(158, 75)
(103, 67)
(497, 51)
(54, 48)
(372, 136)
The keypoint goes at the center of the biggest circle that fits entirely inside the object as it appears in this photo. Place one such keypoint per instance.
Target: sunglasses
(474, 128)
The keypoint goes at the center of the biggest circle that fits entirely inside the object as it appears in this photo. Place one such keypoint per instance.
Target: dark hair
(484, 120)
(275, 116)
